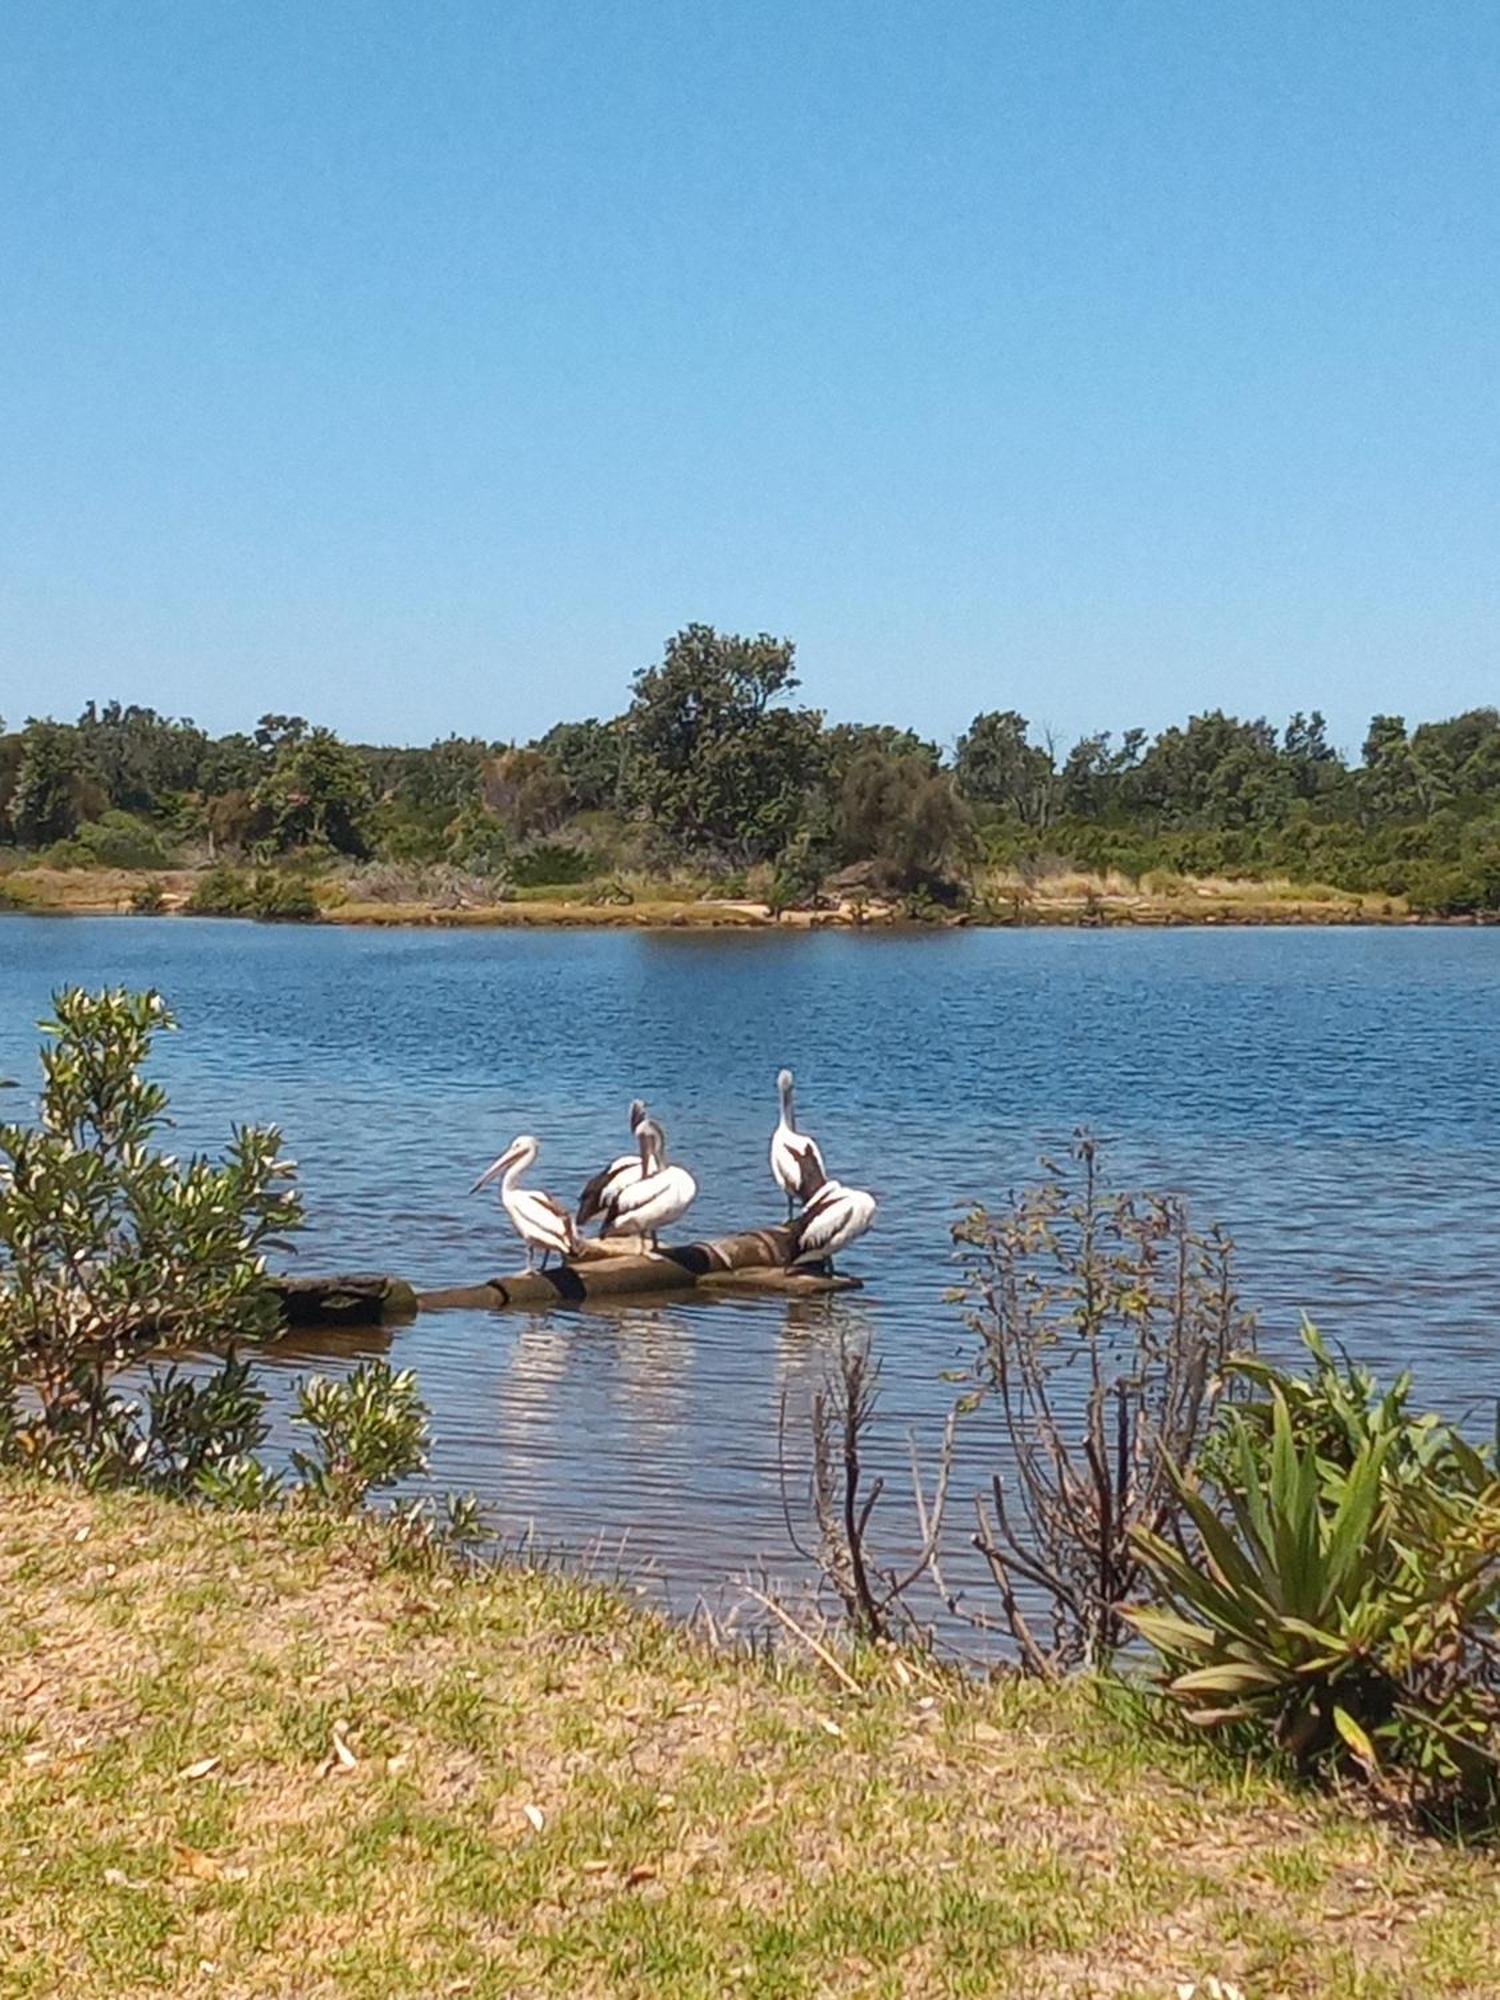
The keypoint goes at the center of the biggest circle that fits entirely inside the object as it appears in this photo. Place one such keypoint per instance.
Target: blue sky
(420, 367)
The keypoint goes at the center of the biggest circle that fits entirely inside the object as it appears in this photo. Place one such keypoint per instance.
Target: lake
(1329, 1095)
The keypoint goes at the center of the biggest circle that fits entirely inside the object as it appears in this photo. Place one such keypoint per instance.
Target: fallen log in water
(752, 1260)
(348, 1300)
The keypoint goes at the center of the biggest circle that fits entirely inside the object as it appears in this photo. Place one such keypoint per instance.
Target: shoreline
(1073, 902)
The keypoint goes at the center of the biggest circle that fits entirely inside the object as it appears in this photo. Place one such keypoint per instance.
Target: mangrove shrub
(108, 1243)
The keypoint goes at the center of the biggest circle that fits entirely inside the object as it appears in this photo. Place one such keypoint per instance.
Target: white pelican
(540, 1222)
(647, 1205)
(796, 1162)
(601, 1190)
(832, 1218)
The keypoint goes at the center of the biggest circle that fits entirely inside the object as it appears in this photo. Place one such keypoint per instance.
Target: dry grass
(1065, 896)
(1162, 897)
(543, 1791)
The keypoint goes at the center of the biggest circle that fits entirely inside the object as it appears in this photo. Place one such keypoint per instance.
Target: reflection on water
(1331, 1096)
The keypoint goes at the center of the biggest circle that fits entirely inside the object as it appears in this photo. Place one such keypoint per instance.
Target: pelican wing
(835, 1216)
(544, 1221)
(599, 1192)
(653, 1202)
(797, 1163)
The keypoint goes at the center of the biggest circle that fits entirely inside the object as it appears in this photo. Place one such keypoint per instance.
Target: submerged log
(349, 1300)
(752, 1260)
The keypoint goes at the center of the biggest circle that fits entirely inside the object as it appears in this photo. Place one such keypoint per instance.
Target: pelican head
(784, 1082)
(519, 1153)
(637, 1112)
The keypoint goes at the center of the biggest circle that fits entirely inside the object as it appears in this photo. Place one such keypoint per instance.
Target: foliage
(996, 764)
(370, 1430)
(115, 840)
(1105, 1324)
(900, 813)
(1338, 1599)
(318, 794)
(226, 891)
(478, 843)
(148, 898)
(717, 766)
(549, 864)
(106, 1242)
(55, 787)
(181, 1435)
(527, 793)
(712, 766)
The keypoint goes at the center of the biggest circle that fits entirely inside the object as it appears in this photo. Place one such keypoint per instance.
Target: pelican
(620, 1172)
(540, 1222)
(657, 1197)
(832, 1217)
(796, 1163)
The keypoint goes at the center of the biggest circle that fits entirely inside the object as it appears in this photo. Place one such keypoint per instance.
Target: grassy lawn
(248, 1756)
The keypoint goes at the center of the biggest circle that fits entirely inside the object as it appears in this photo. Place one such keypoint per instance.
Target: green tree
(716, 765)
(997, 764)
(55, 787)
(592, 756)
(145, 761)
(318, 794)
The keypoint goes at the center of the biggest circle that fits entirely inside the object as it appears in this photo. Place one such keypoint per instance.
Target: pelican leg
(530, 1258)
(791, 1208)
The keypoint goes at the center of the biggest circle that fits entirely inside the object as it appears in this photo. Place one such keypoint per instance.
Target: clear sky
(420, 366)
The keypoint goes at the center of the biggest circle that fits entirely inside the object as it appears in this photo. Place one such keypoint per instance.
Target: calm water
(1332, 1096)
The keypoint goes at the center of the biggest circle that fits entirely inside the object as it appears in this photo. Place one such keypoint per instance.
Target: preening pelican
(796, 1162)
(657, 1197)
(620, 1172)
(540, 1222)
(832, 1218)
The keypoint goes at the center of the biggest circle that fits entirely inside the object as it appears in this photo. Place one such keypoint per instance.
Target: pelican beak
(495, 1168)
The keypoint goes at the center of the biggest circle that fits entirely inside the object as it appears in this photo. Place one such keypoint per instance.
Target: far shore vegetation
(714, 798)
(1226, 1721)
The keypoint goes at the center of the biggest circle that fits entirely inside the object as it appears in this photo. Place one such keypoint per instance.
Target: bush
(1338, 1603)
(224, 891)
(370, 1431)
(441, 885)
(552, 864)
(1105, 1323)
(148, 899)
(114, 840)
(107, 1244)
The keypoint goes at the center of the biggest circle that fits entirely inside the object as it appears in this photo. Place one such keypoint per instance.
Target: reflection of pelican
(832, 1218)
(540, 1222)
(795, 1160)
(647, 1205)
(620, 1172)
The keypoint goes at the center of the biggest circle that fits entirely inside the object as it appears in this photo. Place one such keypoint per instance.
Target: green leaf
(1355, 1737)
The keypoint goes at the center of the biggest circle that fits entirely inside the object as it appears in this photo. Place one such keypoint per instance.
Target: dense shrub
(115, 840)
(107, 1244)
(549, 864)
(1338, 1599)
(274, 896)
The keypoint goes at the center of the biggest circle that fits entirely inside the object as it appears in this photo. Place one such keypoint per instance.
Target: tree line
(714, 763)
